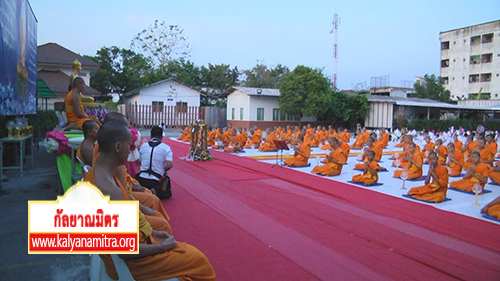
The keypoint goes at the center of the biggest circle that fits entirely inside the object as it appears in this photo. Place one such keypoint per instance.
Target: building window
(445, 45)
(486, 77)
(464, 59)
(276, 114)
(157, 106)
(232, 113)
(453, 78)
(241, 113)
(182, 106)
(260, 114)
(445, 63)
(475, 40)
(474, 78)
(486, 58)
(487, 38)
(475, 59)
(496, 95)
(445, 80)
(453, 60)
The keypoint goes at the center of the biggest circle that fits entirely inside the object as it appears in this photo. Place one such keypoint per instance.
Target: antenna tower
(335, 31)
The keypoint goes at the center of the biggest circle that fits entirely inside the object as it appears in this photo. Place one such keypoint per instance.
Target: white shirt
(161, 154)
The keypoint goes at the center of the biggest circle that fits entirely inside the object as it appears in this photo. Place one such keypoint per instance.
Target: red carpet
(258, 223)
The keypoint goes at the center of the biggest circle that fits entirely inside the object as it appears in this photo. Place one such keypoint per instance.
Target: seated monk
(469, 146)
(314, 138)
(211, 137)
(458, 144)
(436, 183)
(301, 155)
(336, 160)
(73, 105)
(371, 169)
(372, 146)
(366, 133)
(85, 150)
(269, 145)
(185, 132)
(455, 160)
(492, 209)
(326, 146)
(187, 137)
(441, 151)
(309, 129)
(492, 144)
(495, 173)
(429, 146)
(233, 145)
(160, 256)
(403, 134)
(385, 138)
(347, 136)
(477, 173)
(415, 163)
(254, 140)
(289, 135)
(485, 154)
(360, 140)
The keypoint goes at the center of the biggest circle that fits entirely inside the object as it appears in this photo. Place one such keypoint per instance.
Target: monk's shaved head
(115, 116)
(110, 134)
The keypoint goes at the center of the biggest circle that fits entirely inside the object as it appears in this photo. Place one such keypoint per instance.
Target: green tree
(161, 43)
(260, 76)
(346, 108)
(432, 88)
(216, 78)
(122, 70)
(305, 92)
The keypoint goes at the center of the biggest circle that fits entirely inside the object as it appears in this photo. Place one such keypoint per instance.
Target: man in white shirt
(156, 160)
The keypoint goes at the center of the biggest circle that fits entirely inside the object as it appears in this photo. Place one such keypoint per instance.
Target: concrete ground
(40, 182)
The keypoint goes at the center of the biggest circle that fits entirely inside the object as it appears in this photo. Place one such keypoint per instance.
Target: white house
(168, 92)
(248, 107)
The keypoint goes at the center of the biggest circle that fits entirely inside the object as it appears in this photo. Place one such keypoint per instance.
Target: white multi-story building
(470, 61)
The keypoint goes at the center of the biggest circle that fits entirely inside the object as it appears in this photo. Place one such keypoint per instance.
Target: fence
(141, 115)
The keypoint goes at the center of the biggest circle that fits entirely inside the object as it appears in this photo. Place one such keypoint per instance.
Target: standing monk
(336, 160)
(301, 156)
(436, 183)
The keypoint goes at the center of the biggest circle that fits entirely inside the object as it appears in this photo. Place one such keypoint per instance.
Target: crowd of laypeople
(451, 153)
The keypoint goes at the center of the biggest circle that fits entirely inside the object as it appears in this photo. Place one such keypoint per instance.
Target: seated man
(415, 163)
(160, 256)
(73, 105)
(492, 209)
(455, 160)
(156, 160)
(185, 132)
(377, 149)
(477, 173)
(211, 137)
(385, 138)
(360, 140)
(301, 156)
(269, 145)
(458, 144)
(436, 183)
(336, 160)
(492, 144)
(442, 152)
(429, 146)
(254, 140)
(85, 150)
(371, 169)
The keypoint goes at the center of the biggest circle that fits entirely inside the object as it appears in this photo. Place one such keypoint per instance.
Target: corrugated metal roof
(425, 103)
(254, 91)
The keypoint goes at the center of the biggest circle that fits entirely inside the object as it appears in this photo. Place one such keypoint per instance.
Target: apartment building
(470, 61)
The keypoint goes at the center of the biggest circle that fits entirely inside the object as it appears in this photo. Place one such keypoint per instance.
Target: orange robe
(414, 171)
(185, 132)
(494, 211)
(211, 138)
(367, 178)
(493, 146)
(269, 144)
(442, 150)
(288, 136)
(385, 139)
(432, 191)
(184, 261)
(377, 148)
(345, 147)
(456, 169)
(326, 147)
(299, 160)
(255, 140)
(466, 184)
(70, 111)
(470, 147)
(360, 141)
(330, 168)
(458, 145)
(495, 176)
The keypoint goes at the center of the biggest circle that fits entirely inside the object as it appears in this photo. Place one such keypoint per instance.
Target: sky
(396, 38)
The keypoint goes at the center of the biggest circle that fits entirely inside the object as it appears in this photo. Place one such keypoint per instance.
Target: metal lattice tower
(335, 31)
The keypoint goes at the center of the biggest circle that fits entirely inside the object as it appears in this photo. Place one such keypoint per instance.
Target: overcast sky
(396, 38)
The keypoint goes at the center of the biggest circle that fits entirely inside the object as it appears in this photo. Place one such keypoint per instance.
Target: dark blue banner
(18, 42)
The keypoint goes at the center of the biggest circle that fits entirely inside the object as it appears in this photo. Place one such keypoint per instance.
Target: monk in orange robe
(185, 132)
(495, 173)
(492, 209)
(491, 144)
(85, 150)
(429, 146)
(376, 147)
(415, 163)
(301, 155)
(366, 133)
(211, 137)
(458, 144)
(455, 160)
(336, 160)
(371, 169)
(160, 256)
(436, 183)
(289, 135)
(269, 145)
(469, 146)
(442, 152)
(345, 147)
(360, 140)
(73, 105)
(485, 154)
(254, 140)
(309, 129)
(477, 173)
(385, 138)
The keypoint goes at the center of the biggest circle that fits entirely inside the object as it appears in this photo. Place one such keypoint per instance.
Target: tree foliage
(305, 92)
(121, 70)
(260, 76)
(432, 88)
(350, 109)
(161, 43)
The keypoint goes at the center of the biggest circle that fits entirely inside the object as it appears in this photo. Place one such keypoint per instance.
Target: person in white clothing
(156, 160)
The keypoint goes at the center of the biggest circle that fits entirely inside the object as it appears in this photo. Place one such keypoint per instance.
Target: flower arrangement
(199, 137)
(98, 112)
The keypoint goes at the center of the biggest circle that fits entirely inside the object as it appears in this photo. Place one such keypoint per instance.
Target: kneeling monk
(371, 169)
(477, 173)
(160, 256)
(434, 191)
(302, 154)
(335, 161)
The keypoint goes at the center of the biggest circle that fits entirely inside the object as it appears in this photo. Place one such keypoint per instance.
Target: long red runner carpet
(255, 222)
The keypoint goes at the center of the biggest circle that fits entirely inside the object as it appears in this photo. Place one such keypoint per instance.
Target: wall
(238, 100)
(459, 55)
(266, 124)
(484, 103)
(164, 91)
(380, 115)
(268, 103)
